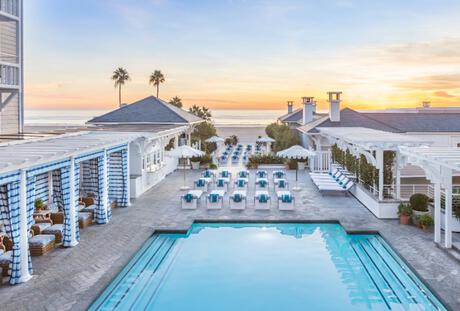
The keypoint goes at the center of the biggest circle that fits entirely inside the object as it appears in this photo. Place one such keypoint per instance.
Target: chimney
(308, 108)
(426, 104)
(334, 106)
(290, 105)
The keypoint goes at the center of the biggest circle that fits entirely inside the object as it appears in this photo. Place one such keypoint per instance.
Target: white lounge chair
(241, 184)
(191, 199)
(286, 201)
(262, 200)
(238, 200)
(222, 184)
(202, 184)
(226, 174)
(281, 184)
(336, 187)
(262, 183)
(215, 199)
(261, 174)
(278, 174)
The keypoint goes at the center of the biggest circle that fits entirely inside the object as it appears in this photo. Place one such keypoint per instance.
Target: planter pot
(455, 223)
(301, 166)
(404, 219)
(416, 215)
(195, 165)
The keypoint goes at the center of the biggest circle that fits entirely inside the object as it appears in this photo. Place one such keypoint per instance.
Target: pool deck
(70, 279)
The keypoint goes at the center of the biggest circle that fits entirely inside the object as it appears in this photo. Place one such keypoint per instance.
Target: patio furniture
(261, 174)
(222, 184)
(215, 199)
(57, 230)
(208, 174)
(281, 184)
(261, 183)
(238, 200)
(41, 244)
(226, 174)
(286, 201)
(201, 184)
(39, 227)
(344, 187)
(296, 152)
(6, 255)
(241, 183)
(43, 215)
(191, 199)
(243, 174)
(278, 174)
(85, 219)
(56, 216)
(262, 200)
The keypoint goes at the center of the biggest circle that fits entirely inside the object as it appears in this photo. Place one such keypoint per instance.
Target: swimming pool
(266, 267)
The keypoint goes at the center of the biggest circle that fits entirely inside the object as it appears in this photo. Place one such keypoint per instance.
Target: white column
(128, 185)
(105, 193)
(176, 141)
(448, 210)
(437, 212)
(72, 214)
(379, 158)
(24, 232)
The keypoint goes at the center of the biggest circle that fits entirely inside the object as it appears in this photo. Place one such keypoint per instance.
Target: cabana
(23, 167)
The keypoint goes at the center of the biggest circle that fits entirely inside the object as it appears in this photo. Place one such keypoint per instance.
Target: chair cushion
(188, 197)
(237, 198)
(84, 216)
(6, 257)
(262, 183)
(281, 184)
(220, 183)
(89, 209)
(286, 198)
(57, 228)
(263, 198)
(224, 174)
(213, 197)
(43, 225)
(42, 239)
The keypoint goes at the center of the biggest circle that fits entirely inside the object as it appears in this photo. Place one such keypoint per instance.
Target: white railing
(10, 7)
(407, 190)
(321, 161)
(9, 75)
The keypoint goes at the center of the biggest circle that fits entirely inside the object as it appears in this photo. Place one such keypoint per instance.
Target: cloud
(443, 82)
(443, 94)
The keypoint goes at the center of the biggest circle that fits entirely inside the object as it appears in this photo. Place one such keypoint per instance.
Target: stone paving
(70, 279)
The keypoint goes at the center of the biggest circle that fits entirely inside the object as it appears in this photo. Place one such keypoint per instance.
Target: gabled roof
(294, 116)
(149, 110)
(350, 118)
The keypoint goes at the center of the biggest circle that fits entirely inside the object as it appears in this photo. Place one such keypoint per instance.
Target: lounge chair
(39, 227)
(261, 174)
(191, 199)
(241, 183)
(286, 201)
(226, 174)
(6, 255)
(262, 200)
(281, 184)
(201, 184)
(85, 219)
(41, 244)
(243, 174)
(261, 183)
(337, 187)
(215, 199)
(222, 184)
(238, 200)
(57, 230)
(208, 174)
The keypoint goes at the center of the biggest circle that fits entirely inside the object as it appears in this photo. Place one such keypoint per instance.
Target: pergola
(438, 164)
(372, 143)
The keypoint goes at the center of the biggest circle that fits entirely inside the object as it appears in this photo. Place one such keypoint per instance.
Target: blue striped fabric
(117, 183)
(30, 201)
(90, 177)
(102, 215)
(14, 233)
(117, 148)
(41, 187)
(64, 184)
(77, 198)
(89, 156)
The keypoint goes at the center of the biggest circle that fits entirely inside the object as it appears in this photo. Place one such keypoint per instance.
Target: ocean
(221, 117)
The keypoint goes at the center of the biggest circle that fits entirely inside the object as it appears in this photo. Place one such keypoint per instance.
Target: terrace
(104, 250)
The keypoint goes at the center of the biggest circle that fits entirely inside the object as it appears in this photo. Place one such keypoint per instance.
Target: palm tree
(120, 76)
(156, 78)
(201, 112)
(176, 101)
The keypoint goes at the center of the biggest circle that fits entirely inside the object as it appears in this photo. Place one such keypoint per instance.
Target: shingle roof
(148, 110)
(294, 116)
(419, 122)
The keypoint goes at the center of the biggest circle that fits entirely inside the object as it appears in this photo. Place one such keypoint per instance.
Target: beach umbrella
(267, 141)
(185, 152)
(215, 139)
(295, 152)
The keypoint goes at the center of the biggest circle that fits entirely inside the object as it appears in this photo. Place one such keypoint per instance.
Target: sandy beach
(246, 135)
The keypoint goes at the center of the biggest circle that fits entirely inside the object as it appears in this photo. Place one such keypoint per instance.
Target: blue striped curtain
(30, 201)
(10, 219)
(41, 187)
(57, 190)
(117, 187)
(77, 199)
(102, 216)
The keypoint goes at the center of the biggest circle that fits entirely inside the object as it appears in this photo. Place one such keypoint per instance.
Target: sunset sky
(243, 53)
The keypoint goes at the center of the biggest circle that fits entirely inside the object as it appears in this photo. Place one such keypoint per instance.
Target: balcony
(9, 8)
(9, 77)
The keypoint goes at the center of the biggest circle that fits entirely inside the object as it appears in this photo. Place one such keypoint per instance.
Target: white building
(11, 67)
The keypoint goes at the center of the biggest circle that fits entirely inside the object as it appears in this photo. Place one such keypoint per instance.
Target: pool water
(266, 267)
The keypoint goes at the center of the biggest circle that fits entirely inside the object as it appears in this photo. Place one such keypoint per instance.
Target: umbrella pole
(296, 188)
(184, 187)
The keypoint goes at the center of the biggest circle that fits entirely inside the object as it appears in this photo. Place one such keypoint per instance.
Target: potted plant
(195, 161)
(425, 221)
(39, 204)
(404, 213)
(419, 204)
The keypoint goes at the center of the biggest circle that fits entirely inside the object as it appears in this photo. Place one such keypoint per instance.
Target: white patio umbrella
(218, 141)
(295, 152)
(267, 140)
(185, 152)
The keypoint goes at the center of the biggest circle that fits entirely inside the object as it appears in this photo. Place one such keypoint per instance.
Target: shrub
(232, 140)
(203, 131)
(256, 160)
(426, 220)
(195, 159)
(284, 137)
(419, 202)
(212, 166)
(404, 210)
(206, 159)
(39, 204)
